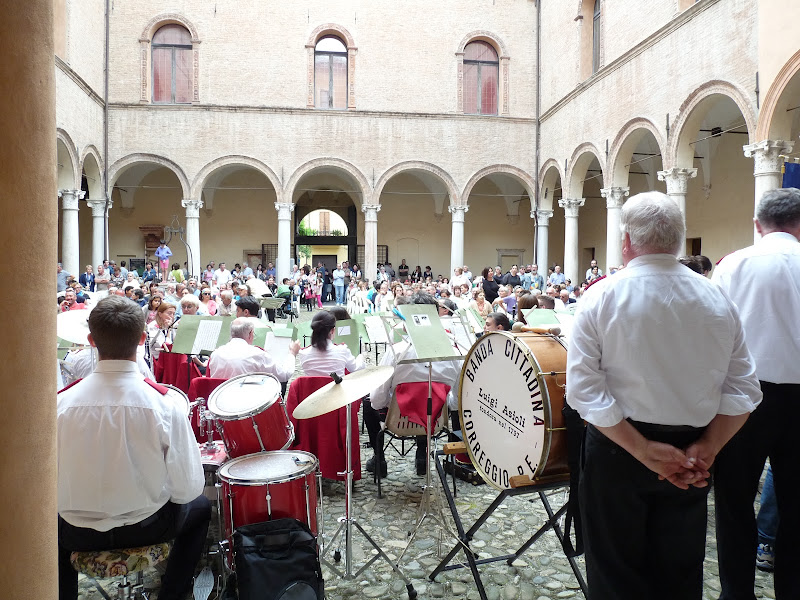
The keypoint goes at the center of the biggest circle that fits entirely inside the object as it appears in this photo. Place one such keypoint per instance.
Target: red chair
(325, 436)
(176, 370)
(201, 387)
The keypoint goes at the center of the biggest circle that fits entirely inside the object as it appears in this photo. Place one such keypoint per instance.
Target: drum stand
(347, 522)
(465, 537)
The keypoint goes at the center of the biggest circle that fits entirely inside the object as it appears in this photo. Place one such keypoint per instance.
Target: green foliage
(337, 232)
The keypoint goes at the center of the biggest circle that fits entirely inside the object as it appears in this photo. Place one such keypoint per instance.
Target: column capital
(677, 179)
(70, 198)
(542, 217)
(98, 207)
(615, 196)
(370, 212)
(284, 210)
(571, 206)
(458, 211)
(766, 155)
(192, 207)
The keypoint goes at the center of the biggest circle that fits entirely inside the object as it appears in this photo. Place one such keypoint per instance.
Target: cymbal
(73, 326)
(336, 395)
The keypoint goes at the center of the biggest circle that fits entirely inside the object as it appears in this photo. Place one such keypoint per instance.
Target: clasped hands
(681, 468)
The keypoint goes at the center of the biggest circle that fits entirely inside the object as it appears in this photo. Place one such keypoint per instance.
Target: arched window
(172, 65)
(596, 37)
(330, 73)
(481, 67)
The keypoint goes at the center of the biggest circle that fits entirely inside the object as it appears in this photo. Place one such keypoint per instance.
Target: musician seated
(323, 357)
(497, 321)
(240, 357)
(138, 489)
(446, 372)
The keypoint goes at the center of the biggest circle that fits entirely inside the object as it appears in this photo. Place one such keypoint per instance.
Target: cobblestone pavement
(541, 573)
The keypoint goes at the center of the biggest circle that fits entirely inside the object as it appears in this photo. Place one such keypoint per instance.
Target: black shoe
(421, 465)
(371, 467)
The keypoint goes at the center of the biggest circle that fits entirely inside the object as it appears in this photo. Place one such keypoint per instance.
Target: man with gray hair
(664, 380)
(763, 281)
(239, 356)
(226, 307)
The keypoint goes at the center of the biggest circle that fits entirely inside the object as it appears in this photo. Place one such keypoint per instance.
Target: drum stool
(103, 564)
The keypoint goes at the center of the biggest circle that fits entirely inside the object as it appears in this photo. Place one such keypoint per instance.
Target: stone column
(571, 207)
(677, 181)
(542, 218)
(457, 237)
(614, 196)
(98, 230)
(767, 163)
(193, 207)
(370, 266)
(29, 231)
(283, 264)
(70, 245)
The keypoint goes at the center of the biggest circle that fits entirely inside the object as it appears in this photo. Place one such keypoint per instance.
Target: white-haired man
(239, 356)
(664, 381)
(763, 280)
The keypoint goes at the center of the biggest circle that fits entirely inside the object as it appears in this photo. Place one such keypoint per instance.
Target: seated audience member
(70, 302)
(226, 307)
(323, 357)
(497, 321)
(240, 357)
(152, 490)
(525, 303)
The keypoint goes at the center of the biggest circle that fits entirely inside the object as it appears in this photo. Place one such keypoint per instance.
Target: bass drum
(511, 395)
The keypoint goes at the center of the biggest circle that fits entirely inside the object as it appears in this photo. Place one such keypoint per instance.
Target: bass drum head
(244, 396)
(277, 466)
(505, 410)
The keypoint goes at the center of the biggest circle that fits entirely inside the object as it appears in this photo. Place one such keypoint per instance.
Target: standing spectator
(163, 254)
(176, 274)
(355, 272)
(459, 277)
(101, 280)
(123, 269)
(247, 272)
(512, 278)
(590, 272)
(338, 284)
(402, 271)
(489, 285)
(208, 274)
(763, 280)
(271, 270)
(537, 281)
(389, 271)
(416, 275)
(61, 278)
(467, 273)
(526, 276)
(87, 279)
(222, 276)
(150, 274)
(427, 273)
(557, 278)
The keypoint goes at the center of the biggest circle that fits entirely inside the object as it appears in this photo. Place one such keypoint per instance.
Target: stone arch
(96, 188)
(485, 36)
(70, 179)
(774, 123)
(520, 175)
(623, 146)
(165, 19)
(232, 160)
(331, 29)
(578, 164)
(330, 162)
(121, 165)
(413, 165)
(679, 153)
(547, 174)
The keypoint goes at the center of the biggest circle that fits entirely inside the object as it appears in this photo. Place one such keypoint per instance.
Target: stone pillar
(677, 181)
(767, 163)
(70, 245)
(542, 218)
(283, 265)
(370, 266)
(29, 231)
(614, 196)
(193, 233)
(98, 230)
(571, 207)
(457, 237)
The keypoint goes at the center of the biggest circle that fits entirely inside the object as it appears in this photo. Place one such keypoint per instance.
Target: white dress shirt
(80, 363)
(763, 280)
(237, 357)
(336, 358)
(660, 344)
(124, 450)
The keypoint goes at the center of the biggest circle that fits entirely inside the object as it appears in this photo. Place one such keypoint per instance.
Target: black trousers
(769, 432)
(644, 538)
(187, 524)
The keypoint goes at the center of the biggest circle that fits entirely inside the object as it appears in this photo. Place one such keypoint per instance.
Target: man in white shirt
(664, 380)
(763, 280)
(592, 265)
(121, 491)
(222, 276)
(459, 277)
(239, 356)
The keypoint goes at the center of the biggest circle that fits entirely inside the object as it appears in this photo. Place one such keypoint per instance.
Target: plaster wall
(777, 38)
(78, 113)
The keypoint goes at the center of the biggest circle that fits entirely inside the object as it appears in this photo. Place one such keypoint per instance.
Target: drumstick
(554, 330)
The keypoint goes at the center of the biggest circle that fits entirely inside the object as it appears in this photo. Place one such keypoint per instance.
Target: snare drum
(515, 428)
(250, 415)
(270, 485)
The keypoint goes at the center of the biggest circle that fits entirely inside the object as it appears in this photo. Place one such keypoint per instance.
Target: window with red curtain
(480, 83)
(330, 73)
(172, 65)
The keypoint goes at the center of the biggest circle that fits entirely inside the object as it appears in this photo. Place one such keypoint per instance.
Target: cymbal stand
(347, 522)
(429, 495)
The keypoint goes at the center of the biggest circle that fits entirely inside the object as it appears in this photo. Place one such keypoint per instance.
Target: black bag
(277, 560)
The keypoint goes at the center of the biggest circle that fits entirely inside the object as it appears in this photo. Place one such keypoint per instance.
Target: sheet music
(376, 330)
(207, 336)
(277, 347)
(461, 335)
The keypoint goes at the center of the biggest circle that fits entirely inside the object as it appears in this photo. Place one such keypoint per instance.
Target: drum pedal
(203, 584)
